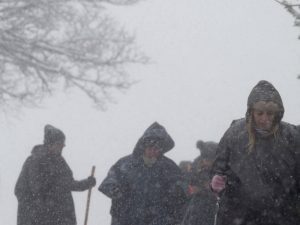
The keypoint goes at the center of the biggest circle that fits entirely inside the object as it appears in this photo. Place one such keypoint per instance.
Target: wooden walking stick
(88, 199)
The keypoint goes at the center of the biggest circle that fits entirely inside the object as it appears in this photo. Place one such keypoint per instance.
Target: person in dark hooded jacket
(201, 208)
(44, 186)
(257, 170)
(186, 167)
(204, 160)
(146, 187)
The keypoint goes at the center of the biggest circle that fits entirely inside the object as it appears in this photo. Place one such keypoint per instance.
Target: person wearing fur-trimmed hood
(257, 167)
(146, 187)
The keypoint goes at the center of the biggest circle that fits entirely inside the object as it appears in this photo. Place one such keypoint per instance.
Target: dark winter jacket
(201, 208)
(44, 190)
(207, 156)
(144, 195)
(263, 184)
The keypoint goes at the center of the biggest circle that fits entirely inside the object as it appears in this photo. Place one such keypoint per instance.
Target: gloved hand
(218, 183)
(91, 181)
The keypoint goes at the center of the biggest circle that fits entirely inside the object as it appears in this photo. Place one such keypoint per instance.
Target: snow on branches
(46, 44)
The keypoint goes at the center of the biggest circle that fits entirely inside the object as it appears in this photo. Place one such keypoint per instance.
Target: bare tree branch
(291, 8)
(45, 43)
(294, 9)
(121, 2)
(285, 3)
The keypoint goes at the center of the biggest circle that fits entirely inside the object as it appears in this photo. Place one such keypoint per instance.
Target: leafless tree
(293, 7)
(51, 45)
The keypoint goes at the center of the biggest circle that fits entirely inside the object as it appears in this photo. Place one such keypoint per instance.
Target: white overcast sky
(206, 57)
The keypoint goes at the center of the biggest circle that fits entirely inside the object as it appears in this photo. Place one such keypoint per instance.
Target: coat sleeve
(80, 185)
(221, 163)
(68, 180)
(114, 184)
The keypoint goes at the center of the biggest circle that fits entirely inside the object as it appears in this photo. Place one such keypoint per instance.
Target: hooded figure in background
(257, 167)
(201, 208)
(44, 186)
(146, 187)
(185, 166)
(205, 159)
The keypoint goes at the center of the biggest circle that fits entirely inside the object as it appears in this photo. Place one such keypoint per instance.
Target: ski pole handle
(89, 199)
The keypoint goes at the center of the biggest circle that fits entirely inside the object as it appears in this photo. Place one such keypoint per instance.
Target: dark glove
(91, 181)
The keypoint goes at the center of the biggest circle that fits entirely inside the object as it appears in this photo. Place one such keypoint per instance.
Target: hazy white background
(207, 56)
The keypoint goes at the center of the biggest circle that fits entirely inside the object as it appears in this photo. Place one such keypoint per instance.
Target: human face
(57, 147)
(205, 163)
(264, 114)
(152, 152)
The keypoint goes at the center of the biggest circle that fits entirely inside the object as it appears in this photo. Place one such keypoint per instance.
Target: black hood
(154, 132)
(52, 135)
(264, 91)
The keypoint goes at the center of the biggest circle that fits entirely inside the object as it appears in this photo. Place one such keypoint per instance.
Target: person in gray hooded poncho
(45, 183)
(257, 170)
(146, 187)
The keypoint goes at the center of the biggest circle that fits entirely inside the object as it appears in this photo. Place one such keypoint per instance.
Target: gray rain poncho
(262, 184)
(146, 195)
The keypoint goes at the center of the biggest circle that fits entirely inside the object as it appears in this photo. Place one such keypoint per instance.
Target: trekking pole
(217, 210)
(88, 199)
(219, 195)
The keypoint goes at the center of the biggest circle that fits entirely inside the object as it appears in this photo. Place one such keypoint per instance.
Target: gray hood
(154, 132)
(264, 91)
